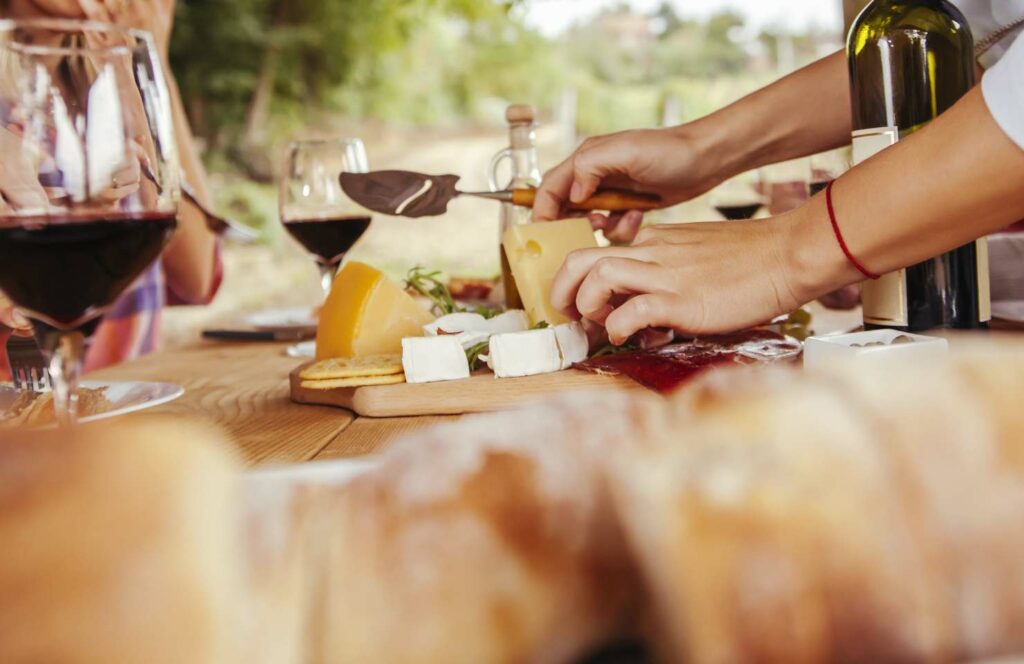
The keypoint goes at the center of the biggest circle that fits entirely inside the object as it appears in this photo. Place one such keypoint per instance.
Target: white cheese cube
(573, 343)
(433, 359)
(515, 320)
(524, 353)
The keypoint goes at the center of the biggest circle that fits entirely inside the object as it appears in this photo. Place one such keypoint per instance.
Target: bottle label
(885, 299)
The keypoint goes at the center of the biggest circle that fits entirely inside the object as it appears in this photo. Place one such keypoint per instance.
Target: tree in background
(240, 61)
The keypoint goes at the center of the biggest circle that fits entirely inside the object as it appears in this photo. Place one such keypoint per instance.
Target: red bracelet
(839, 236)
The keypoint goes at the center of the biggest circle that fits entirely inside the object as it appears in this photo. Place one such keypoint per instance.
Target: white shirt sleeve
(1003, 88)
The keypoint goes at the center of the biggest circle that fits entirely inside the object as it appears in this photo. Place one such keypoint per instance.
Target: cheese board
(480, 393)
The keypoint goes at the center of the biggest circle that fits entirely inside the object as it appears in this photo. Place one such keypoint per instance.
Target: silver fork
(28, 366)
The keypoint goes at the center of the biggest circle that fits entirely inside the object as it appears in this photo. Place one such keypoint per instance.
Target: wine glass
(740, 197)
(89, 183)
(826, 167)
(314, 209)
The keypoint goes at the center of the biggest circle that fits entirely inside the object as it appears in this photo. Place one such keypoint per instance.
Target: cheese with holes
(535, 253)
(367, 314)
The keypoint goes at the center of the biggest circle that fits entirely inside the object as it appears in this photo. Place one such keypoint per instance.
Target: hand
(673, 163)
(693, 278)
(10, 318)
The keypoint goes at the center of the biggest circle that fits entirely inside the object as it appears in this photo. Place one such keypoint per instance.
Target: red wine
(328, 239)
(818, 187)
(737, 212)
(64, 273)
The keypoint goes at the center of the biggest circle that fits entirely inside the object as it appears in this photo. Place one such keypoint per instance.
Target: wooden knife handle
(612, 200)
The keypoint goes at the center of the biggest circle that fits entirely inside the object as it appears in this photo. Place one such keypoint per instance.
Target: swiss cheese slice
(367, 314)
(535, 253)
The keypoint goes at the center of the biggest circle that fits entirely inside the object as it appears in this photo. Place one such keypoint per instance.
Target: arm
(190, 258)
(803, 113)
(954, 181)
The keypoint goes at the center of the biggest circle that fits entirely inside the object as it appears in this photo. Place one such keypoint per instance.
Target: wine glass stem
(327, 274)
(65, 367)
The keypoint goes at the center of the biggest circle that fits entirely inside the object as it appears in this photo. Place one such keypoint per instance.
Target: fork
(28, 366)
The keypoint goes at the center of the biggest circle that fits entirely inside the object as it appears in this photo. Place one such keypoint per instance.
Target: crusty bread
(487, 540)
(856, 515)
(118, 543)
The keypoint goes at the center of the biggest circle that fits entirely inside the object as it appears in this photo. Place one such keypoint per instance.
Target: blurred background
(425, 84)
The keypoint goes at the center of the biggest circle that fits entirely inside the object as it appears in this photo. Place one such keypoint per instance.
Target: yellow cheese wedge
(367, 314)
(535, 253)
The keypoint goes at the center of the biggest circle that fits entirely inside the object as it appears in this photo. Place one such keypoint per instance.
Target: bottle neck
(523, 145)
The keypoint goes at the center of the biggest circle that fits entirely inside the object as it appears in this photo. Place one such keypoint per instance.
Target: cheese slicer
(409, 194)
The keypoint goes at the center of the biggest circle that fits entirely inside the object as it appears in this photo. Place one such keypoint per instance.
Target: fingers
(611, 277)
(10, 318)
(625, 228)
(575, 269)
(553, 192)
(651, 310)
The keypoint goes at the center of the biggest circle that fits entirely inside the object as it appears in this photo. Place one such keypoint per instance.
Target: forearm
(802, 114)
(952, 182)
(189, 259)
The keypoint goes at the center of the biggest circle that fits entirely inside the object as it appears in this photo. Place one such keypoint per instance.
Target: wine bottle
(910, 61)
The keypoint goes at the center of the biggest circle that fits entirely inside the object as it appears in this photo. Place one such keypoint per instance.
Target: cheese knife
(409, 194)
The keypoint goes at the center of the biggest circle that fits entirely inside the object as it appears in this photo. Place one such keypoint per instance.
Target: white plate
(302, 349)
(126, 397)
(281, 319)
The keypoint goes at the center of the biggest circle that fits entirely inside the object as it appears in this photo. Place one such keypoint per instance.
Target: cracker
(357, 381)
(353, 367)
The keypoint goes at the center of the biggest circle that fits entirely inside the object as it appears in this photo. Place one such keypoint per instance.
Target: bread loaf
(858, 515)
(119, 543)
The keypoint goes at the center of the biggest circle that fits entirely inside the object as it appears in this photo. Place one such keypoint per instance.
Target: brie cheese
(515, 320)
(529, 353)
(433, 359)
(455, 323)
(572, 342)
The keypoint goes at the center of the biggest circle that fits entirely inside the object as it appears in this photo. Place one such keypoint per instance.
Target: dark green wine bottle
(910, 61)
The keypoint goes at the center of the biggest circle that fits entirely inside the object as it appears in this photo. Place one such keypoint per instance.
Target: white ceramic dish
(873, 346)
(125, 397)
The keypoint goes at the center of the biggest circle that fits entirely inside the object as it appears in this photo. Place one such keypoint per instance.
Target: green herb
(473, 354)
(543, 325)
(430, 286)
(611, 349)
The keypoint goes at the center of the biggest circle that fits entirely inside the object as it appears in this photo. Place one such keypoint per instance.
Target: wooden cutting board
(480, 393)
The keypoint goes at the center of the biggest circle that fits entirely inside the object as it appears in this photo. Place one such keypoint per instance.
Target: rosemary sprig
(430, 286)
(473, 354)
(611, 349)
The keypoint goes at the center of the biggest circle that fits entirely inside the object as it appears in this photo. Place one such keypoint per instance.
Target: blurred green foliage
(255, 71)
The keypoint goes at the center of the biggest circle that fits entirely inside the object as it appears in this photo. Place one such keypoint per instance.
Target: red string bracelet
(839, 236)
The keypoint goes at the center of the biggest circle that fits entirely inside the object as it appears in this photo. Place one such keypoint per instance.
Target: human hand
(672, 163)
(694, 278)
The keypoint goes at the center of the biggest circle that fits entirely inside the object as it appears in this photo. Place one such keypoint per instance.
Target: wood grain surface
(244, 389)
(480, 393)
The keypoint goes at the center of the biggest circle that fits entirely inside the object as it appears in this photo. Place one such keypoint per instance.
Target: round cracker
(357, 381)
(353, 367)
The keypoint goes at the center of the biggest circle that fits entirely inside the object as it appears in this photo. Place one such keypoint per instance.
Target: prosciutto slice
(667, 368)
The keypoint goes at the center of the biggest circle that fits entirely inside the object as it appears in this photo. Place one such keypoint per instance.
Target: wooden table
(244, 389)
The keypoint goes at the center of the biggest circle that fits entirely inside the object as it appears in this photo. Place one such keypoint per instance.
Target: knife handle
(611, 200)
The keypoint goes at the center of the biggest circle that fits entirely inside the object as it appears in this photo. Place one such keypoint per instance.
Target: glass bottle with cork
(522, 155)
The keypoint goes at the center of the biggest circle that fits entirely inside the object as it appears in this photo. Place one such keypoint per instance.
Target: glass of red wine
(89, 182)
(741, 197)
(314, 209)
